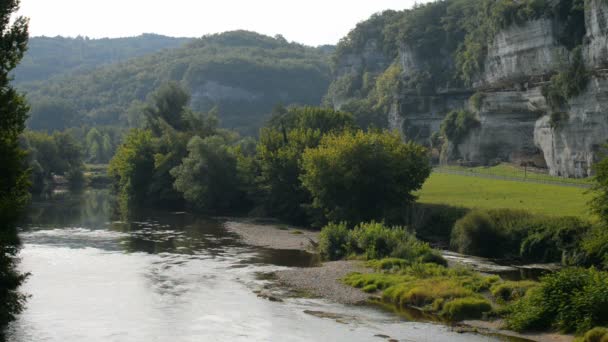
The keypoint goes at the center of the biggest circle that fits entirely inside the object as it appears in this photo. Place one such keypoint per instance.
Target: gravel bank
(274, 236)
(324, 281)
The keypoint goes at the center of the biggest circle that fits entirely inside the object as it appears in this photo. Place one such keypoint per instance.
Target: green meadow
(486, 193)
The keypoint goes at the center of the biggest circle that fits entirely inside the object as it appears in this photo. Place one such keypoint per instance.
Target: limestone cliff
(518, 122)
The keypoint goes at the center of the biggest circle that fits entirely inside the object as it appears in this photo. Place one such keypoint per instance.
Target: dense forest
(243, 75)
(48, 57)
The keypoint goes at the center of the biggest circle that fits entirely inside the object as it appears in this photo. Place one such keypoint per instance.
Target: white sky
(312, 22)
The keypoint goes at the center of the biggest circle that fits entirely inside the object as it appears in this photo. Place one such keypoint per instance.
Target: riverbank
(325, 281)
(273, 236)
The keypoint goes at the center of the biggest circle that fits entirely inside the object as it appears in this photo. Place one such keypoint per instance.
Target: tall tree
(14, 179)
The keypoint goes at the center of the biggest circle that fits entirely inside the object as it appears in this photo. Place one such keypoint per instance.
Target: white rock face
(507, 128)
(596, 24)
(572, 147)
(520, 52)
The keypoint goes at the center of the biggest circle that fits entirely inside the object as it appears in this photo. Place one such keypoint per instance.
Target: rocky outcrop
(596, 25)
(571, 146)
(521, 52)
(516, 121)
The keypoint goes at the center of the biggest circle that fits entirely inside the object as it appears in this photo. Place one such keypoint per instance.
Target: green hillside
(52, 56)
(242, 74)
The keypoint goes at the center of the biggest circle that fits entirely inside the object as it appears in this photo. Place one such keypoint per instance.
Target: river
(172, 277)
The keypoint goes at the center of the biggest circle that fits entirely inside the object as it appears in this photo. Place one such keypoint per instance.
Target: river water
(172, 277)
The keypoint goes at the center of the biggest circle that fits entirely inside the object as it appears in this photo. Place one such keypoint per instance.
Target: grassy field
(485, 193)
(511, 171)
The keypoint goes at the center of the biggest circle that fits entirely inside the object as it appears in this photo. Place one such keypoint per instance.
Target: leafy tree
(57, 154)
(142, 166)
(279, 155)
(208, 176)
(132, 168)
(356, 177)
(14, 179)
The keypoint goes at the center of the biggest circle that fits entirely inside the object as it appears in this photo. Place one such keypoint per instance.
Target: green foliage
(511, 290)
(466, 308)
(476, 101)
(241, 73)
(57, 154)
(452, 293)
(14, 178)
(433, 222)
(54, 56)
(208, 176)
(597, 334)
(375, 241)
(132, 168)
(503, 233)
(334, 241)
(595, 246)
(489, 233)
(360, 176)
(52, 114)
(557, 239)
(377, 29)
(567, 84)
(571, 300)
(457, 125)
(279, 157)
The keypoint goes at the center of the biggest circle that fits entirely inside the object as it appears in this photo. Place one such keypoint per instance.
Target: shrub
(568, 83)
(476, 101)
(511, 290)
(466, 308)
(595, 246)
(334, 241)
(490, 233)
(572, 300)
(457, 125)
(555, 239)
(363, 176)
(375, 241)
(596, 334)
(434, 222)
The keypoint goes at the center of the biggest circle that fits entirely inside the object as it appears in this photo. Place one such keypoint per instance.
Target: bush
(555, 239)
(490, 233)
(466, 308)
(334, 241)
(511, 290)
(597, 334)
(457, 125)
(375, 241)
(501, 233)
(572, 300)
(363, 176)
(434, 222)
(595, 246)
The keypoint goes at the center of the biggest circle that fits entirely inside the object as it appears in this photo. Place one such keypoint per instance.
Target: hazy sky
(311, 22)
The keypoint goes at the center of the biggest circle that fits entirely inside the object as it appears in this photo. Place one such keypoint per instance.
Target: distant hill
(52, 56)
(243, 74)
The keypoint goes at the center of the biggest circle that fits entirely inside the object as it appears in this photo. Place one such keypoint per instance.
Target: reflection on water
(171, 277)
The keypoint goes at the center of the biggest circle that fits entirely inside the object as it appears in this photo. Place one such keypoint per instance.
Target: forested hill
(241, 74)
(52, 56)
